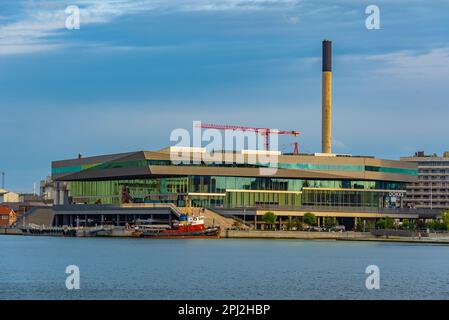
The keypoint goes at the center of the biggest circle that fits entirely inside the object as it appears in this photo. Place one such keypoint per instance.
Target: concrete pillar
(61, 197)
(118, 220)
(102, 219)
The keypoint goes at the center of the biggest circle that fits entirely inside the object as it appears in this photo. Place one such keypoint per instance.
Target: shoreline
(335, 236)
(283, 235)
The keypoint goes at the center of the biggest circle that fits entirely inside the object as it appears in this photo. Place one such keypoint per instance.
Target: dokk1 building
(342, 186)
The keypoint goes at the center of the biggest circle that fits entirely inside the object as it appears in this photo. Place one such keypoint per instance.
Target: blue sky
(136, 70)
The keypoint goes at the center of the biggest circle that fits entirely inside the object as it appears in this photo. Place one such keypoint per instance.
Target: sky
(136, 70)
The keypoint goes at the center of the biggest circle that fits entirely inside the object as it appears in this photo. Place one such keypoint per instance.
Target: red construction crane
(265, 132)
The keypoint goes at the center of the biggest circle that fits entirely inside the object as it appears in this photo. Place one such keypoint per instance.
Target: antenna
(3, 180)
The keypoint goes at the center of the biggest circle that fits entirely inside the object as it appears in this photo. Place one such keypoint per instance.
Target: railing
(70, 207)
(399, 233)
(391, 211)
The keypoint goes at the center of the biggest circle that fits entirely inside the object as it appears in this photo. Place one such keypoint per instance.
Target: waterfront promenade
(120, 232)
(436, 238)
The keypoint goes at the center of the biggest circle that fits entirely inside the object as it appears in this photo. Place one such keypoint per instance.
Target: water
(34, 268)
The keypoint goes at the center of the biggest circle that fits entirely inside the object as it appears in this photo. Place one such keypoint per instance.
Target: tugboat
(189, 226)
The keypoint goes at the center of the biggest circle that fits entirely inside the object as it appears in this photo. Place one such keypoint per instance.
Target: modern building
(341, 186)
(150, 177)
(431, 190)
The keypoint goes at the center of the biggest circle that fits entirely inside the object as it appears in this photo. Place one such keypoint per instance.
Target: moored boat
(189, 226)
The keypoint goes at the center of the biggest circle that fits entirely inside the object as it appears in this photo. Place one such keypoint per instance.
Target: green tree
(406, 224)
(294, 224)
(360, 225)
(381, 224)
(445, 219)
(290, 224)
(330, 222)
(270, 218)
(436, 225)
(309, 219)
(387, 223)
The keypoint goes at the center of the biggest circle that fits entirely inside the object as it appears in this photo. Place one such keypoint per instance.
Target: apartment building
(431, 190)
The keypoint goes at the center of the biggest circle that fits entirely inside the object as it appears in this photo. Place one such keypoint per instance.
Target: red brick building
(7, 216)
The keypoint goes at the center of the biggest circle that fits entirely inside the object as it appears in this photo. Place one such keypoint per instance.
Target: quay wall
(294, 234)
(11, 231)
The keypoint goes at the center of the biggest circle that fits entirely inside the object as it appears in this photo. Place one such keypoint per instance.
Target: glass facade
(298, 166)
(345, 198)
(236, 192)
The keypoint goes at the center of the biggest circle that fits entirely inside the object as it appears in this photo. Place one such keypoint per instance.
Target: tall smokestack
(326, 134)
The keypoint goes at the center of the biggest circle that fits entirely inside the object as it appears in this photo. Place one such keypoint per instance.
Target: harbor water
(111, 268)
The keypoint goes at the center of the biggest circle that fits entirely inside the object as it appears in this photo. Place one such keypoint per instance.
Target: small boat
(188, 227)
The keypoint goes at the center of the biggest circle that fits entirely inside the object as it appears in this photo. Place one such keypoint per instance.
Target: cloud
(408, 65)
(432, 64)
(292, 19)
(42, 24)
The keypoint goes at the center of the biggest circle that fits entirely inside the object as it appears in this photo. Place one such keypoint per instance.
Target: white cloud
(44, 22)
(433, 64)
(430, 64)
(292, 19)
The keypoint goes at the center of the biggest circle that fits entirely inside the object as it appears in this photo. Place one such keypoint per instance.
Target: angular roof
(148, 164)
(5, 209)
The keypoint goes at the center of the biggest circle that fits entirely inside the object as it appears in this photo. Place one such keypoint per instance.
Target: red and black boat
(189, 226)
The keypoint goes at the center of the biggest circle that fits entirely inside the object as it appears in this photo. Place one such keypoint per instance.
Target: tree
(445, 218)
(406, 224)
(387, 223)
(330, 222)
(309, 219)
(270, 218)
(360, 225)
(294, 224)
(436, 225)
(298, 224)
